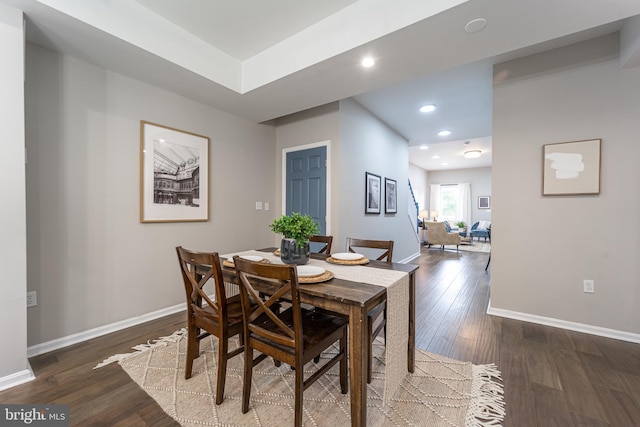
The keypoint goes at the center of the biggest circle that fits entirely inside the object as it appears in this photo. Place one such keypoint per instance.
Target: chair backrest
(385, 245)
(261, 318)
(197, 269)
(327, 240)
(436, 231)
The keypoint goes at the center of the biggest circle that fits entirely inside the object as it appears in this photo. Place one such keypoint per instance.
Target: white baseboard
(409, 258)
(102, 330)
(17, 378)
(564, 324)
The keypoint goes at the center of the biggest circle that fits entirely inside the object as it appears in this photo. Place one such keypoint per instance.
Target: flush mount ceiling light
(475, 25)
(427, 108)
(472, 154)
(444, 133)
(368, 62)
(424, 147)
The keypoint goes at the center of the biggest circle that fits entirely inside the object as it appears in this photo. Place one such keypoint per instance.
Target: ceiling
(264, 59)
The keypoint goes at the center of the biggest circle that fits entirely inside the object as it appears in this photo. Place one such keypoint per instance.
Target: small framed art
(390, 196)
(484, 202)
(571, 168)
(372, 193)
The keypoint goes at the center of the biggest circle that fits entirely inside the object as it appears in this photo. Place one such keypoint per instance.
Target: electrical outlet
(589, 286)
(32, 299)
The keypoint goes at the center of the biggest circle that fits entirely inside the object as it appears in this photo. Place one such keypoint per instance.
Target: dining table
(354, 298)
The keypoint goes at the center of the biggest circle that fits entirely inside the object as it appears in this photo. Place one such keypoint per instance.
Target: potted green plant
(462, 227)
(296, 229)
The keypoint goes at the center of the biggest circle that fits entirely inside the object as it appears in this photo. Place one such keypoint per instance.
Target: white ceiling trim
(135, 24)
(351, 27)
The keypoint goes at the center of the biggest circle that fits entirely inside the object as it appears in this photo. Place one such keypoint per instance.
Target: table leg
(358, 365)
(411, 357)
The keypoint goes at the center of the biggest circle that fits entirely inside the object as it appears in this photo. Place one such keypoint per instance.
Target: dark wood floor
(552, 377)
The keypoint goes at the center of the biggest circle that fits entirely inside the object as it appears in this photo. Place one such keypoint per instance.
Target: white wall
(480, 180)
(90, 259)
(419, 182)
(14, 367)
(545, 246)
(368, 145)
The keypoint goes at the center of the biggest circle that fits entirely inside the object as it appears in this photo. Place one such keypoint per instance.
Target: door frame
(283, 191)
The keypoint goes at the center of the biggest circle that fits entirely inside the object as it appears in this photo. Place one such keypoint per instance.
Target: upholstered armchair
(437, 235)
(479, 229)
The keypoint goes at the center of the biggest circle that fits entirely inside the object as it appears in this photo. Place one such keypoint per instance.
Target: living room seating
(437, 235)
(479, 229)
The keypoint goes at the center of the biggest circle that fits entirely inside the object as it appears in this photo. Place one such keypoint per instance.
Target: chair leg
(369, 350)
(299, 389)
(223, 348)
(192, 350)
(248, 370)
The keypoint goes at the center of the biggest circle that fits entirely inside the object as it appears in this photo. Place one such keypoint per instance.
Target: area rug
(441, 391)
(476, 246)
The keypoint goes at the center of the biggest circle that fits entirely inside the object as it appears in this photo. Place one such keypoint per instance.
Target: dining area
(326, 311)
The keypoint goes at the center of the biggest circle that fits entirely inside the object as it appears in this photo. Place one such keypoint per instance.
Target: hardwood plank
(551, 407)
(517, 390)
(580, 395)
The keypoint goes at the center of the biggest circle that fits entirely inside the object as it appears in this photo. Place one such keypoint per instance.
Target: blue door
(307, 184)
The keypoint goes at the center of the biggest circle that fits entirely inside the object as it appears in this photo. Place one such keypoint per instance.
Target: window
(450, 203)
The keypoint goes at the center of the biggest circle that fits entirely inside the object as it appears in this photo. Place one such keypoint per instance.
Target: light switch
(258, 206)
(266, 206)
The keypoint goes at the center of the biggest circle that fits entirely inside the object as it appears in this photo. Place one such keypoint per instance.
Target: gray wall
(13, 259)
(89, 258)
(545, 246)
(358, 142)
(368, 145)
(480, 180)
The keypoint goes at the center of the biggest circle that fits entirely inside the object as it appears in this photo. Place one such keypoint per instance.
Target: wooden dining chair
(327, 240)
(294, 336)
(220, 316)
(377, 317)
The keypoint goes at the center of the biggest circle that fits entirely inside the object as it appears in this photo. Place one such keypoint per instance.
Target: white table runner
(397, 284)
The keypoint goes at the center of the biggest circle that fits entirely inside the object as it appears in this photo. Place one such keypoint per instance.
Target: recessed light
(424, 147)
(435, 157)
(427, 108)
(368, 62)
(472, 154)
(475, 25)
(444, 133)
(444, 164)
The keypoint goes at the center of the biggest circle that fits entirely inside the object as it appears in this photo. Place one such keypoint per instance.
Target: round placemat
(361, 261)
(327, 275)
(229, 262)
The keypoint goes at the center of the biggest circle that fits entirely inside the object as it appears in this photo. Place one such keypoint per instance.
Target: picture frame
(571, 168)
(372, 193)
(390, 196)
(174, 174)
(484, 202)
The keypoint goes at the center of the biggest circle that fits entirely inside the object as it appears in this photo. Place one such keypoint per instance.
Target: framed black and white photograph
(390, 196)
(372, 193)
(174, 174)
(571, 168)
(484, 202)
